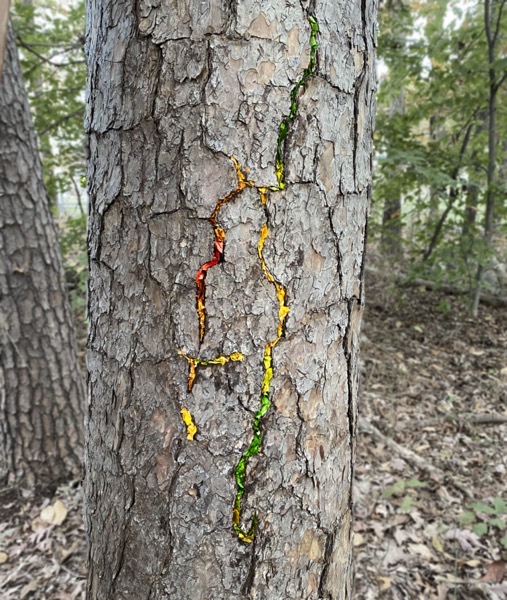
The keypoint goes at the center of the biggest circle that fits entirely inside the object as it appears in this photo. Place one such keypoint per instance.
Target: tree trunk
(392, 230)
(473, 187)
(492, 16)
(41, 387)
(471, 206)
(230, 164)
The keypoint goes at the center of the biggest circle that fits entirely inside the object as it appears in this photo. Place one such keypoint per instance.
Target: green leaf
(467, 518)
(503, 541)
(499, 523)
(407, 504)
(480, 529)
(483, 508)
(500, 505)
(416, 483)
(50, 38)
(392, 490)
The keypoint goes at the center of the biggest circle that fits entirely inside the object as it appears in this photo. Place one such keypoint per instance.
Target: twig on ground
(412, 457)
(468, 418)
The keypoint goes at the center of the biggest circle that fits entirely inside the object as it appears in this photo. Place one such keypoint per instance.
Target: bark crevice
(230, 90)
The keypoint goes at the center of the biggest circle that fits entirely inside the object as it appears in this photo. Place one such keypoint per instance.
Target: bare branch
(60, 121)
(45, 59)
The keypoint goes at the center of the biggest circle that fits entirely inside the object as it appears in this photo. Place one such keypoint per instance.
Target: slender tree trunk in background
(392, 242)
(391, 228)
(473, 189)
(175, 91)
(452, 197)
(437, 131)
(492, 16)
(471, 206)
(41, 386)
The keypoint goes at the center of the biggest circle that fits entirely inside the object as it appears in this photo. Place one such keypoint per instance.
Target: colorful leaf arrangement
(247, 535)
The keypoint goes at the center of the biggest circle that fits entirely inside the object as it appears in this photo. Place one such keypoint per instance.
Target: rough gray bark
(41, 387)
(175, 90)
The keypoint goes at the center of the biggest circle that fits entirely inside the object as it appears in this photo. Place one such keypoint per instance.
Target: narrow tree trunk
(391, 228)
(471, 206)
(392, 241)
(41, 387)
(453, 196)
(491, 29)
(249, 494)
(473, 187)
(437, 131)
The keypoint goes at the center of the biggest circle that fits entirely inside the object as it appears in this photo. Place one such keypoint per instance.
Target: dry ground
(431, 524)
(430, 483)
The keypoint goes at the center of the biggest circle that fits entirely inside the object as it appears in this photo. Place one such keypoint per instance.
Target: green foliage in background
(50, 39)
(404, 491)
(72, 237)
(431, 139)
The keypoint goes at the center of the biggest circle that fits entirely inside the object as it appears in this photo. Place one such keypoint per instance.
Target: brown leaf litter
(425, 366)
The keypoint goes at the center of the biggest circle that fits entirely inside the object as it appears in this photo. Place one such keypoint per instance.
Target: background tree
(41, 386)
(435, 155)
(492, 20)
(51, 41)
(175, 91)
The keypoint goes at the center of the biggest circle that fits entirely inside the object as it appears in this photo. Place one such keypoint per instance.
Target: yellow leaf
(474, 563)
(4, 557)
(60, 512)
(47, 514)
(436, 542)
(54, 514)
(385, 583)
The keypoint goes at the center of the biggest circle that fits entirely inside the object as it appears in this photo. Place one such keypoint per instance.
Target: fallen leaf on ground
(54, 513)
(474, 563)
(30, 587)
(436, 542)
(466, 539)
(385, 583)
(495, 573)
(422, 550)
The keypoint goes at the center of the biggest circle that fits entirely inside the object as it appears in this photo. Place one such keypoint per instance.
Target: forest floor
(430, 493)
(431, 474)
